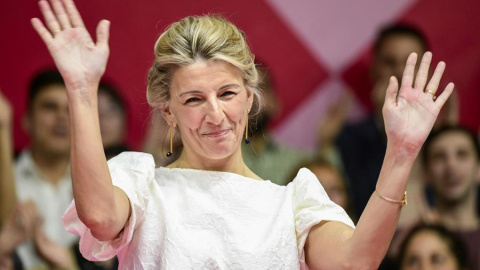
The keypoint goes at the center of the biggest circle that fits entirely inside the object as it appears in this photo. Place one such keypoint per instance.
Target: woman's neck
(233, 164)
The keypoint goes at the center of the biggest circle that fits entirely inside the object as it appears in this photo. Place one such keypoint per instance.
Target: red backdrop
(451, 26)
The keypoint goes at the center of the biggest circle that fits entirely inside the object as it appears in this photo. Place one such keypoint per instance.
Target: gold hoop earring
(169, 153)
(247, 141)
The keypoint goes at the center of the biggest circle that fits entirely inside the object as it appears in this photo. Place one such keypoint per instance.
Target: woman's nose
(214, 112)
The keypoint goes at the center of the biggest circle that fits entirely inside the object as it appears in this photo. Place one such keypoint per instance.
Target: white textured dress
(194, 219)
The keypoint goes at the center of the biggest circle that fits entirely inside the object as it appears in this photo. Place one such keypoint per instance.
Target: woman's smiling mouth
(218, 133)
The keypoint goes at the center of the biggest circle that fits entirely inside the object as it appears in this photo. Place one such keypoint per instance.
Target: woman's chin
(218, 153)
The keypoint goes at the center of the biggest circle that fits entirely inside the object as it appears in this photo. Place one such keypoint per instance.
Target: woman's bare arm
(101, 206)
(409, 115)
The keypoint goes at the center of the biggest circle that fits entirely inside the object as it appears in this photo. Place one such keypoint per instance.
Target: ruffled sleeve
(134, 173)
(311, 206)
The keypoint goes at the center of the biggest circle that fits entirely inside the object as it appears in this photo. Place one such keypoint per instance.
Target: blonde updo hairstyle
(200, 38)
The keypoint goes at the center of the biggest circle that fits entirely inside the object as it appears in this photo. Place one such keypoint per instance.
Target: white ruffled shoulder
(311, 206)
(134, 173)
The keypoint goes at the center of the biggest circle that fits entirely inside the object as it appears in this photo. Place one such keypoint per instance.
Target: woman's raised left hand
(410, 111)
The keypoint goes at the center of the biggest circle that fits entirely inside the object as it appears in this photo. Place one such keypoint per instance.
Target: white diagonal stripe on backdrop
(337, 31)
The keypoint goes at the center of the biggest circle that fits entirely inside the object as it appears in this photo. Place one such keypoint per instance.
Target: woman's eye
(228, 93)
(192, 100)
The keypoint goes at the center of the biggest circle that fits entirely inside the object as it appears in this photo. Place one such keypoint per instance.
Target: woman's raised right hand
(80, 61)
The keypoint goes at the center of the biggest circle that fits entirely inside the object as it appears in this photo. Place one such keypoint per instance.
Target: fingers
(408, 73)
(61, 14)
(73, 13)
(44, 34)
(392, 91)
(422, 74)
(50, 18)
(27, 214)
(440, 101)
(432, 86)
(103, 33)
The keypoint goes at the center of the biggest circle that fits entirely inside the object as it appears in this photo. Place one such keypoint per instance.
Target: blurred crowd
(438, 229)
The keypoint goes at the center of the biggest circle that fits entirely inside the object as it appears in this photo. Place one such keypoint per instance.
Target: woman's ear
(168, 115)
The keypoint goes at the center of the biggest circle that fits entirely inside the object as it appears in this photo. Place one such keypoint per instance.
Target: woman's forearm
(98, 205)
(378, 222)
(334, 245)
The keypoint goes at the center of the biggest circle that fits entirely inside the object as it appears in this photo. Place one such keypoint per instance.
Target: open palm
(80, 61)
(410, 112)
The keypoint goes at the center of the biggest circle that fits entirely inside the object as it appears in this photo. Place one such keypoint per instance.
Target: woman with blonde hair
(208, 210)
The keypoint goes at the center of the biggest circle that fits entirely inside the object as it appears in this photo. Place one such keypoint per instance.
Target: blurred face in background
(427, 250)
(453, 167)
(390, 60)
(333, 183)
(112, 120)
(48, 123)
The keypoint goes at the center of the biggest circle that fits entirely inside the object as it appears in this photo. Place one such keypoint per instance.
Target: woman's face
(209, 105)
(428, 251)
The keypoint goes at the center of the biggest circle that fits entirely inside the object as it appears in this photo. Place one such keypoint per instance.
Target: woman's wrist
(84, 96)
(402, 153)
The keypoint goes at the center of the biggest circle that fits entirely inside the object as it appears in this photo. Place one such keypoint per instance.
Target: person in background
(451, 160)
(113, 116)
(17, 220)
(362, 145)
(432, 247)
(358, 148)
(40, 179)
(42, 172)
(263, 155)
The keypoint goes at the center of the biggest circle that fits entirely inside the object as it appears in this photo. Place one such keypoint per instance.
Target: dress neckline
(214, 174)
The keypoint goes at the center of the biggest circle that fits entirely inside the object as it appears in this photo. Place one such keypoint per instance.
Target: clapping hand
(18, 227)
(56, 255)
(80, 61)
(410, 111)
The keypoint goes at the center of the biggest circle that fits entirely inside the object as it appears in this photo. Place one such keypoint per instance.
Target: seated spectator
(42, 172)
(451, 158)
(39, 180)
(432, 247)
(451, 161)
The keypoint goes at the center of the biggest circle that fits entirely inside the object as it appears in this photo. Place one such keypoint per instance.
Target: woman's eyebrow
(190, 92)
(229, 85)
